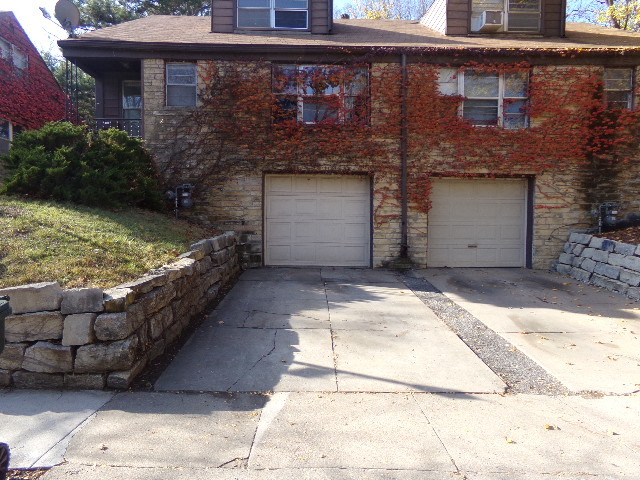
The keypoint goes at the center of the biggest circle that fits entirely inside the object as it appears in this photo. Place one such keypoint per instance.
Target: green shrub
(64, 162)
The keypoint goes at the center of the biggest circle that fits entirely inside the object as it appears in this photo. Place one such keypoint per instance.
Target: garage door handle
(472, 246)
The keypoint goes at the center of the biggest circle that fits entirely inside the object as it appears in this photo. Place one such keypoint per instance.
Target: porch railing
(132, 126)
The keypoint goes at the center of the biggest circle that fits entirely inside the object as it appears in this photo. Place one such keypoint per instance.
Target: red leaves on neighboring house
(31, 96)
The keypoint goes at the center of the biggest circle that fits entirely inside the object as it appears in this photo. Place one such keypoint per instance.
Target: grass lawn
(86, 247)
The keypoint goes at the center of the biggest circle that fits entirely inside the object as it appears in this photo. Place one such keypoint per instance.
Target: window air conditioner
(488, 21)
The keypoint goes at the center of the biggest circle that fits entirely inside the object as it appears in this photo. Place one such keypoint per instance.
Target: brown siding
(319, 16)
(553, 18)
(222, 16)
(458, 13)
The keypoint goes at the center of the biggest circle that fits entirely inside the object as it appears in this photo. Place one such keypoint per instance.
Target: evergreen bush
(65, 162)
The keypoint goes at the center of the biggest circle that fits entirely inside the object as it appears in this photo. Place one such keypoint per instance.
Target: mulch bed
(31, 474)
(629, 235)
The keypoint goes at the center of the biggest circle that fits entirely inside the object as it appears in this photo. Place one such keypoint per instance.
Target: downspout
(404, 228)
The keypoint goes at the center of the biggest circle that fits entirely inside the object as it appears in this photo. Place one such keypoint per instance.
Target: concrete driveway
(365, 374)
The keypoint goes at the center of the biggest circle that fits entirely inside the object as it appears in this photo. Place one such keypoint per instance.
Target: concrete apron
(344, 374)
(588, 338)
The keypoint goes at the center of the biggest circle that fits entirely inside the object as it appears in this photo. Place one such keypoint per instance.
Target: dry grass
(81, 246)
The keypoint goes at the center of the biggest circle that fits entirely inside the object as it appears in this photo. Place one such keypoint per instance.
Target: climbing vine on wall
(252, 116)
(30, 96)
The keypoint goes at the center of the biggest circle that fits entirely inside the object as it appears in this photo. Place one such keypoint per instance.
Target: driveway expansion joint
(519, 372)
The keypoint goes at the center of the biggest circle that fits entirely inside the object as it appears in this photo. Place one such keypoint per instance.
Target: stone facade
(561, 198)
(93, 339)
(602, 262)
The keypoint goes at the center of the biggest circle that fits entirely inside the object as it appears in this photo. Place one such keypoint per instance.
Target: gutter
(404, 226)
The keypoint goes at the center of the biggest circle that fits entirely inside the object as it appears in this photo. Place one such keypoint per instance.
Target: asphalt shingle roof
(163, 29)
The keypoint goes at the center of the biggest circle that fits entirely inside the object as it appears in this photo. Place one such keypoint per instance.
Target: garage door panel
(355, 231)
(280, 184)
(511, 233)
(305, 207)
(476, 223)
(304, 231)
(281, 253)
(330, 209)
(302, 184)
(356, 208)
(282, 207)
(280, 231)
(317, 220)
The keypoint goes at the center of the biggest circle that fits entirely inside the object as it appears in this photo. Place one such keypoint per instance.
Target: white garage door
(477, 223)
(317, 220)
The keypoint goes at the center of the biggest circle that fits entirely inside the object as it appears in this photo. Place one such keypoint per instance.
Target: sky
(43, 33)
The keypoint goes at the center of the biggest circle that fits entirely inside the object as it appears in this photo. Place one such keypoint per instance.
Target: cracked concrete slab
(219, 359)
(364, 276)
(278, 304)
(100, 472)
(37, 425)
(337, 430)
(585, 337)
(378, 307)
(169, 430)
(525, 434)
(409, 360)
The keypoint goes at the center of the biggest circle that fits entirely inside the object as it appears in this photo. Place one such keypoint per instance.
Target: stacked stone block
(602, 262)
(89, 338)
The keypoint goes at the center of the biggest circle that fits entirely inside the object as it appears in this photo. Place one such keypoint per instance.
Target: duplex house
(479, 136)
(30, 95)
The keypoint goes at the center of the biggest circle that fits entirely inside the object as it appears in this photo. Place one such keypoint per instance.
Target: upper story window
(20, 60)
(182, 84)
(618, 87)
(518, 16)
(490, 98)
(286, 14)
(10, 51)
(317, 93)
(5, 48)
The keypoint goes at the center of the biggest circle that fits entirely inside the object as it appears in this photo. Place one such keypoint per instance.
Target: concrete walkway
(348, 374)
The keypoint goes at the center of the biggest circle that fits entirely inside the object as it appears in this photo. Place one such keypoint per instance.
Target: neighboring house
(479, 136)
(30, 95)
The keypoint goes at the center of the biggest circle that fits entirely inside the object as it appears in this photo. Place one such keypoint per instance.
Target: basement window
(618, 87)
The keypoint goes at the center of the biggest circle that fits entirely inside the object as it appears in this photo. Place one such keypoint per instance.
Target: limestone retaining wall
(602, 262)
(89, 338)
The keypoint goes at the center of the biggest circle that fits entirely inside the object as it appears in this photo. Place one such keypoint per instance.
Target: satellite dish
(67, 14)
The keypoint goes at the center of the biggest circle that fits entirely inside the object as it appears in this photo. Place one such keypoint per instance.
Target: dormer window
(278, 14)
(517, 16)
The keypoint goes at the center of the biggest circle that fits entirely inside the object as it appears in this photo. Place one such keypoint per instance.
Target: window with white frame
(490, 98)
(285, 14)
(182, 84)
(520, 16)
(317, 93)
(618, 87)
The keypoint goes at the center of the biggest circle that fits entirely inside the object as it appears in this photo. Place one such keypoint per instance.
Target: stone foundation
(601, 262)
(89, 338)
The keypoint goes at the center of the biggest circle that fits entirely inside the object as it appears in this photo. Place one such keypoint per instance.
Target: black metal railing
(132, 126)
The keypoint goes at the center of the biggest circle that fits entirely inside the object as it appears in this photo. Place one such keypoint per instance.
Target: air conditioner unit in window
(488, 21)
